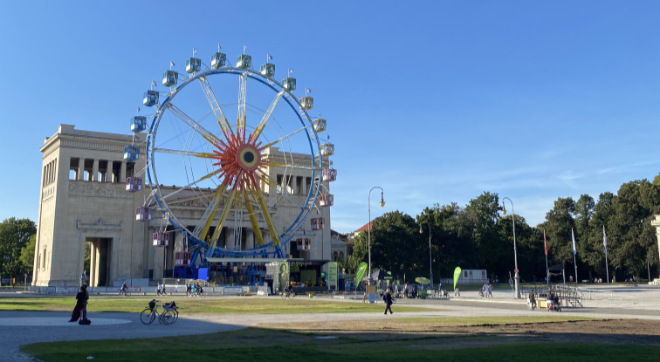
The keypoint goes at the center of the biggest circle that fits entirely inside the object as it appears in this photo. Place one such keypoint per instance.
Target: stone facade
(656, 223)
(84, 205)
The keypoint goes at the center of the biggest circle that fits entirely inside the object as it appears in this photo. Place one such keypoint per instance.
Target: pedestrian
(387, 298)
(81, 305)
(405, 289)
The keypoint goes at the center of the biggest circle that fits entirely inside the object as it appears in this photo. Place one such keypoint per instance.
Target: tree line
(479, 236)
(17, 242)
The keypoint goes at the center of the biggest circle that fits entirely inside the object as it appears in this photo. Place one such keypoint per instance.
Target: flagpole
(547, 270)
(607, 271)
(574, 254)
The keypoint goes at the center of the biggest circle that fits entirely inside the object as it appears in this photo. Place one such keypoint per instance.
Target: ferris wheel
(234, 160)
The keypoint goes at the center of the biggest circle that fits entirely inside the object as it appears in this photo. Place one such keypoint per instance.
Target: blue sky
(435, 101)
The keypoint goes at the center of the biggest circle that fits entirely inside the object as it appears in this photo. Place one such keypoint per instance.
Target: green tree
(396, 246)
(450, 243)
(27, 254)
(529, 248)
(482, 214)
(633, 235)
(594, 253)
(558, 225)
(587, 253)
(359, 252)
(456, 247)
(14, 235)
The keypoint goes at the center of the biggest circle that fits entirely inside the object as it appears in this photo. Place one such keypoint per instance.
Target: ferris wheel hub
(248, 157)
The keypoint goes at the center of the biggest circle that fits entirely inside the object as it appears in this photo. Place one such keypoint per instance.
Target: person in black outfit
(387, 297)
(81, 305)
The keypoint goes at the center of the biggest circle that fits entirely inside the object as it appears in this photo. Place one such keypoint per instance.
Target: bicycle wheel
(168, 317)
(147, 317)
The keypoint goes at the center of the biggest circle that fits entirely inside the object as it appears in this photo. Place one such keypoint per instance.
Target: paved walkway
(17, 328)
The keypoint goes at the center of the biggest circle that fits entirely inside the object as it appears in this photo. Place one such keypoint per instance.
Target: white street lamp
(382, 203)
(430, 254)
(515, 252)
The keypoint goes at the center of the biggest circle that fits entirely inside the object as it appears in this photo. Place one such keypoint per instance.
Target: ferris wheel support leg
(279, 253)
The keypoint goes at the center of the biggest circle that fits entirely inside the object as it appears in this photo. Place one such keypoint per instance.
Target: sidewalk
(592, 295)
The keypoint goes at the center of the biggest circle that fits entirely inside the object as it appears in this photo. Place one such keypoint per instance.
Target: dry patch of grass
(433, 325)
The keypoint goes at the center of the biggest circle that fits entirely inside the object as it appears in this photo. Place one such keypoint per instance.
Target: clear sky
(435, 101)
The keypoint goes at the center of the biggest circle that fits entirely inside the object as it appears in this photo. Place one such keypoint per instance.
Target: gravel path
(18, 328)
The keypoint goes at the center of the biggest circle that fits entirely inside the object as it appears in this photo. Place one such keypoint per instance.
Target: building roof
(365, 227)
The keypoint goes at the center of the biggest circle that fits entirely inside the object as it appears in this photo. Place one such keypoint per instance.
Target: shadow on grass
(281, 345)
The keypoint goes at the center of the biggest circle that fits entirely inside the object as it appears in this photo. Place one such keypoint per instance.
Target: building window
(73, 168)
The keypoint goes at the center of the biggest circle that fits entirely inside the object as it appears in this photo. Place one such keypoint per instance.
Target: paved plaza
(17, 328)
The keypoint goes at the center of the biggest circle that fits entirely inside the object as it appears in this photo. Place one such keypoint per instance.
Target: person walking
(81, 305)
(387, 298)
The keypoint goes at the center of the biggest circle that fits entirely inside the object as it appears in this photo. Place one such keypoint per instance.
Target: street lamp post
(515, 252)
(382, 203)
(430, 254)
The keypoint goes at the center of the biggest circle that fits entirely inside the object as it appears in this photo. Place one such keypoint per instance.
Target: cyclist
(197, 289)
(124, 289)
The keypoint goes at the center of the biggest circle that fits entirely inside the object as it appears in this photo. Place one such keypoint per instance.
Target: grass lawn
(414, 340)
(253, 344)
(209, 305)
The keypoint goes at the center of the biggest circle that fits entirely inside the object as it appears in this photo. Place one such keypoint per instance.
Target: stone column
(656, 223)
(81, 169)
(93, 272)
(122, 172)
(95, 170)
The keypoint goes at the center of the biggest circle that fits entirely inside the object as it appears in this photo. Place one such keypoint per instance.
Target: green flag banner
(362, 268)
(457, 274)
(332, 275)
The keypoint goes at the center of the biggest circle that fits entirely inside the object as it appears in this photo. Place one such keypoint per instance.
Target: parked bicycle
(168, 315)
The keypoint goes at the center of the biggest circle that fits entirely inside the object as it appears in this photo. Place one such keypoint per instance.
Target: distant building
(85, 207)
(342, 244)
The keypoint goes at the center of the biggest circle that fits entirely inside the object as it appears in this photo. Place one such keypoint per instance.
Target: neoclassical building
(85, 207)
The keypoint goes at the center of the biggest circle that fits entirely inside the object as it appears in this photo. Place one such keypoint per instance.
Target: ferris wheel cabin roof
(218, 60)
